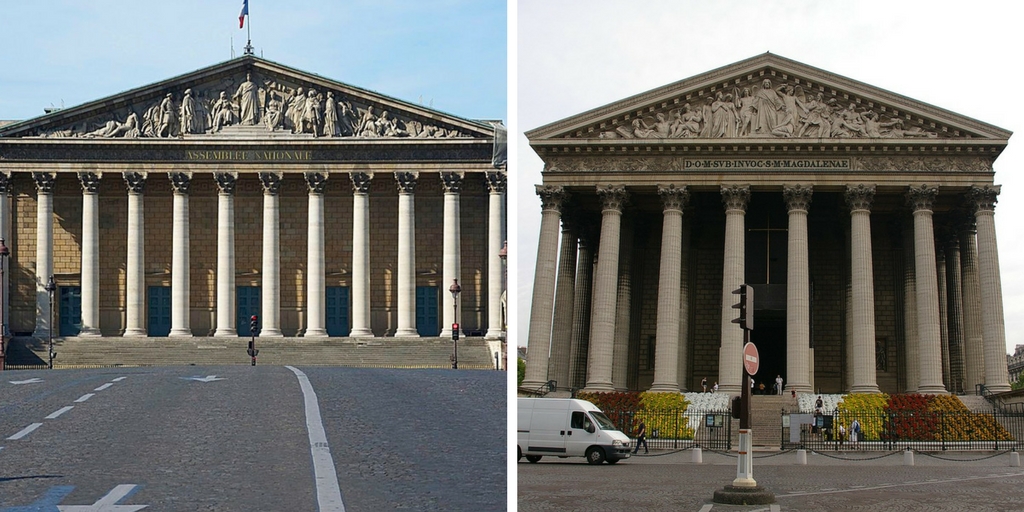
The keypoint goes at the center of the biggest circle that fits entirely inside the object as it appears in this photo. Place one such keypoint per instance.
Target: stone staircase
(766, 419)
(89, 352)
(976, 403)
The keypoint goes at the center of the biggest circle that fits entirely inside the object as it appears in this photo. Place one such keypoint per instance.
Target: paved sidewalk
(974, 481)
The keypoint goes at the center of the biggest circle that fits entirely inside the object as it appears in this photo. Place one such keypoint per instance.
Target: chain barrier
(857, 459)
(964, 460)
(791, 450)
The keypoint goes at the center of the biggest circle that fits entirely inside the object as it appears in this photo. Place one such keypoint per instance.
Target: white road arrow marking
(107, 503)
(25, 431)
(208, 378)
(60, 411)
(33, 380)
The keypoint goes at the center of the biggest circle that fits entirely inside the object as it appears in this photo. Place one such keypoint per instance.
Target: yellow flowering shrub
(866, 408)
(666, 413)
(960, 424)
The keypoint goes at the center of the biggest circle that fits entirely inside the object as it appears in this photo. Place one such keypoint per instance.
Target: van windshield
(603, 421)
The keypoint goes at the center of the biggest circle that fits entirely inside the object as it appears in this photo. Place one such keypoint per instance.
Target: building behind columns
(251, 188)
(862, 219)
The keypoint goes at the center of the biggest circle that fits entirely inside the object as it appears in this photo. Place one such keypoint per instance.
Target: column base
(180, 333)
(663, 388)
(799, 388)
(999, 388)
(534, 385)
(90, 332)
(732, 389)
(601, 387)
(865, 389)
(407, 333)
(135, 333)
(360, 333)
(933, 390)
(315, 333)
(493, 333)
(225, 333)
(269, 332)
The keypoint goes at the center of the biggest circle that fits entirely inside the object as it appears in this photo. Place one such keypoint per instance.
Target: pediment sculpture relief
(762, 110)
(255, 105)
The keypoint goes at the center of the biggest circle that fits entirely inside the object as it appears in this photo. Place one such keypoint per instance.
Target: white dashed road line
(105, 386)
(84, 397)
(903, 484)
(25, 431)
(60, 411)
(119, 379)
(328, 493)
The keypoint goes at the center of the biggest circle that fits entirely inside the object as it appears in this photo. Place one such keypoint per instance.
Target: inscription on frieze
(249, 155)
(768, 163)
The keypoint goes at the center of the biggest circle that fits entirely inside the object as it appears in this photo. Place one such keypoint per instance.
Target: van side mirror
(590, 428)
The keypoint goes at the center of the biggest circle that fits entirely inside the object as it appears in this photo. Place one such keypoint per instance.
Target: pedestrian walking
(778, 384)
(704, 385)
(840, 437)
(855, 433)
(641, 437)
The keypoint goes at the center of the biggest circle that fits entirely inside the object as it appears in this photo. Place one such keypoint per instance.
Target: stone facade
(844, 234)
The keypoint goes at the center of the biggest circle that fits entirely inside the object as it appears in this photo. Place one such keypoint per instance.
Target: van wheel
(533, 458)
(595, 455)
(520, 453)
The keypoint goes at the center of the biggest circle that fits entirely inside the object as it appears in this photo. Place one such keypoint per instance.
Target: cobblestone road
(400, 439)
(848, 482)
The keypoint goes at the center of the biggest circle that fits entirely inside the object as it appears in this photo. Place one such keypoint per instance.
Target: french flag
(243, 14)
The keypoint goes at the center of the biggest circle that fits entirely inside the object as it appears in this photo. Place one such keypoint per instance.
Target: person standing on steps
(778, 384)
(641, 437)
(715, 388)
(704, 385)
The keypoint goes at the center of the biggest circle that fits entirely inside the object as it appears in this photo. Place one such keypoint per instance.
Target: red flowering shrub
(910, 419)
(619, 406)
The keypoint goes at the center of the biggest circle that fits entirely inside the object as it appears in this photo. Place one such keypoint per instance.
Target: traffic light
(746, 307)
(455, 332)
(253, 323)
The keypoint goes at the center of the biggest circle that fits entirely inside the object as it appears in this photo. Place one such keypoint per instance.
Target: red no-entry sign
(750, 358)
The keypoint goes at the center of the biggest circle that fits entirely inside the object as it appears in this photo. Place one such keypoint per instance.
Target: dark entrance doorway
(769, 335)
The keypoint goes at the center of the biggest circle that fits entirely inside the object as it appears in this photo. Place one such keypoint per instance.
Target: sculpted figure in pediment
(723, 116)
(273, 118)
(128, 129)
(312, 115)
(248, 102)
(786, 124)
(193, 114)
(296, 107)
(707, 115)
(367, 124)
(330, 116)
(848, 123)
(168, 118)
(766, 107)
(816, 123)
(745, 116)
(223, 113)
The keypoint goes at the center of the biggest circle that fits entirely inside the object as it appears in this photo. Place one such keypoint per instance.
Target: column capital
(673, 197)
(180, 181)
(948, 234)
(406, 182)
(45, 181)
(797, 197)
(860, 196)
(226, 181)
(735, 197)
(983, 199)
(90, 182)
(613, 197)
(361, 182)
(5, 182)
(135, 181)
(452, 182)
(921, 197)
(552, 197)
(496, 181)
(316, 182)
(271, 182)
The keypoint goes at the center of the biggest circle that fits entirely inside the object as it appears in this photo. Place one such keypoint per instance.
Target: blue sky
(450, 54)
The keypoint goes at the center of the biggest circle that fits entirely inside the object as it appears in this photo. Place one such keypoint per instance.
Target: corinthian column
(226, 253)
(996, 379)
(602, 322)
(911, 345)
(862, 293)
(798, 290)
(974, 345)
(406, 254)
(361, 255)
(921, 199)
(730, 354)
(495, 214)
(582, 296)
(539, 341)
(666, 353)
(452, 248)
(90, 253)
(955, 310)
(180, 292)
(135, 276)
(316, 313)
(565, 296)
(45, 181)
(270, 295)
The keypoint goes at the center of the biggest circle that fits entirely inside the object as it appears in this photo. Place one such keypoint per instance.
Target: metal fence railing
(898, 430)
(678, 429)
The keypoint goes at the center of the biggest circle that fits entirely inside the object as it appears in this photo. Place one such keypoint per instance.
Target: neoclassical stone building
(183, 207)
(862, 219)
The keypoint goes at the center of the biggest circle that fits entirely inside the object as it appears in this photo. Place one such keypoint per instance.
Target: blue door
(70, 310)
(248, 304)
(337, 311)
(426, 311)
(159, 310)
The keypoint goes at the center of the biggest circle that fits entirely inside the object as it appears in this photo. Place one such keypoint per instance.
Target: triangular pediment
(768, 97)
(249, 98)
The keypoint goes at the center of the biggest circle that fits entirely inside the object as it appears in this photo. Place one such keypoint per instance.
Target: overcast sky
(448, 53)
(961, 56)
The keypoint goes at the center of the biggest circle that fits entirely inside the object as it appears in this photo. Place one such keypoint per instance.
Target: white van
(567, 427)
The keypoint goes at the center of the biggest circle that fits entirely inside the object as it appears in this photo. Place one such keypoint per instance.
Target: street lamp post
(51, 286)
(4, 253)
(455, 289)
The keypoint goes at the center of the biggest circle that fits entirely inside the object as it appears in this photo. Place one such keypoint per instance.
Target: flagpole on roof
(248, 29)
